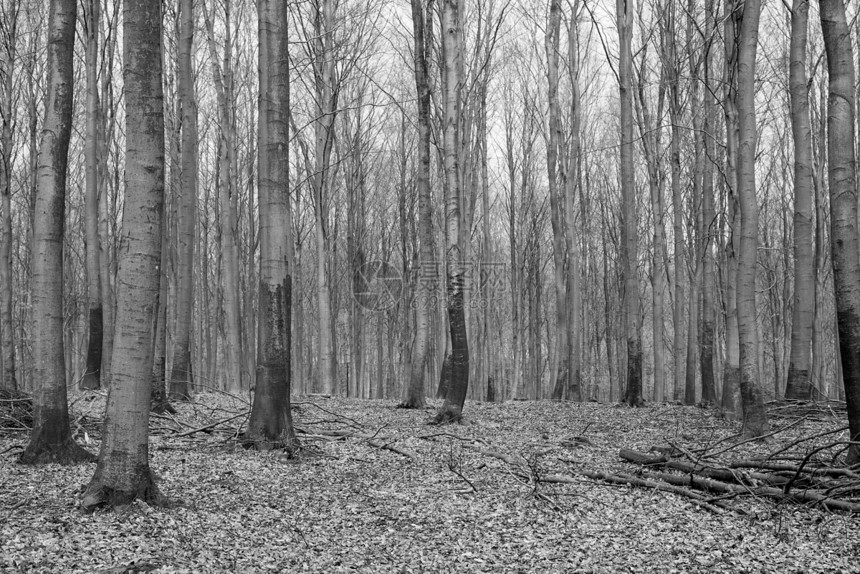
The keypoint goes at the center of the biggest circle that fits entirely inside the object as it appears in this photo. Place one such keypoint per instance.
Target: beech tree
(51, 438)
(180, 377)
(455, 272)
(123, 472)
(842, 182)
(629, 228)
(92, 375)
(799, 383)
(271, 422)
(422, 29)
(754, 415)
(8, 37)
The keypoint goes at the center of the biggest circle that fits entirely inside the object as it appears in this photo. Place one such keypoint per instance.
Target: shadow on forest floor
(515, 488)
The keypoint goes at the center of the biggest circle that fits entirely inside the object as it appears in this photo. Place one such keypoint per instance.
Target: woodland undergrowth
(517, 487)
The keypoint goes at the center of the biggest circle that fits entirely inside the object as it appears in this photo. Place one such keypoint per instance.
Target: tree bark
(755, 421)
(799, 382)
(186, 209)
(51, 438)
(8, 378)
(271, 422)
(422, 27)
(123, 472)
(92, 375)
(455, 396)
(629, 229)
(842, 180)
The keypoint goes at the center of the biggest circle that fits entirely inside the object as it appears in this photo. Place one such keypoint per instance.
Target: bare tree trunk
(708, 227)
(123, 472)
(186, 209)
(755, 422)
(8, 379)
(452, 408)
(92, 376)
(271, 422)
(731, 369)
(842, 180)
(799, 382)
(51, 438)
(422, 27)
(629, 229)
(556, 181)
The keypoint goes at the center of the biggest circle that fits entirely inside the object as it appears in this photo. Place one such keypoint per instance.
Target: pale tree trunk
(326, 106)
(158, 392)
(629, 230)
(516, 363)
(680, 264)
(731, 369)
(227, 204)
(554, 173)
(51, 438)
(123, 472)
(8, 379)
(842, 180)
(455, 280)
(574, 287)
(186, 208)
(799, 382)
(422, 26)
(755, 422)
(271, 423)
(708, 239)
(92, 376)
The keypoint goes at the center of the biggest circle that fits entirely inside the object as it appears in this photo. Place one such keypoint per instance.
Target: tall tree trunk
(271, 422)
(123, 472)
(8, 379)
(92, 376)
(842, 180)
(755, 422)
(799, 382)
(422, 28)
(186, 209)
(629, 229)
(51, 438)
(326, 105)
(708, 239)
(455, 280)
(556, 181)
(680, 264)
(731, 369)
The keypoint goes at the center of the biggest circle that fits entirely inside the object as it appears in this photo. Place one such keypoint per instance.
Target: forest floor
(377, 489)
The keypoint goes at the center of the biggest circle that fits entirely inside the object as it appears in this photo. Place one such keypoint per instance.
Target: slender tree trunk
(708, 239)
(91, 378)
(556, 181)
(842, 180)
(680, 264)
(799, 382)
(629, 229)
(8, 379)
(51, 438)
(755, 421)
(271, 422)
(452, 408)
(731, 369)
(186, 209)
(422, 27)
(123, 472)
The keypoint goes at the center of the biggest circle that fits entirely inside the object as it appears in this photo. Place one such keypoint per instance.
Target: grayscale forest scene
(428, 286)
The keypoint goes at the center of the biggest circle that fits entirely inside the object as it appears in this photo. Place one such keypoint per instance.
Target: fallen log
(723, 474)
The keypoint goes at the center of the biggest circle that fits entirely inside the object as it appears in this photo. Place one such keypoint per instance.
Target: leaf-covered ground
(435, 501)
